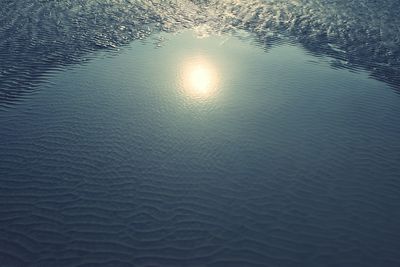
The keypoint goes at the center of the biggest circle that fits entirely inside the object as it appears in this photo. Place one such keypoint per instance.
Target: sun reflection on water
(199, 78)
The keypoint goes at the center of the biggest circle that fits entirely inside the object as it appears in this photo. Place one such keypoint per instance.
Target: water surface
(227, 143)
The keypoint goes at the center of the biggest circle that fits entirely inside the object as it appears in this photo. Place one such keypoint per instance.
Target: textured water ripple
(38, 36)
(105, 179)
(96, 181)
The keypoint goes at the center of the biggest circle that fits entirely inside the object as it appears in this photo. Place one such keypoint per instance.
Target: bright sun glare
(199, 78)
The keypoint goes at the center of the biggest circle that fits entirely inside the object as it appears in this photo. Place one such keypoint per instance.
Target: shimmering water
(199, 133)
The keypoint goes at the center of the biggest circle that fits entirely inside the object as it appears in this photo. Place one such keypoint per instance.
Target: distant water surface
(199, 139)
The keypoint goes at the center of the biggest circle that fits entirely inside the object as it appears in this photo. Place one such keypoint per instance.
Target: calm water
(199, 133)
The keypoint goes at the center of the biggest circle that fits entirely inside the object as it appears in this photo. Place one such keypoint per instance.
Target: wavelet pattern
(110, 170)
(39, 37)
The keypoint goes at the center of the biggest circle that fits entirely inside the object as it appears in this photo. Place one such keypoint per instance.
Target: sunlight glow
(199, 78)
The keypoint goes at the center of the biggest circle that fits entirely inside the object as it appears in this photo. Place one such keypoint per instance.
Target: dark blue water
(205, 133)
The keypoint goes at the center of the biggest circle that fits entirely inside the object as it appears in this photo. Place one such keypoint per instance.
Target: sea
(197, 133)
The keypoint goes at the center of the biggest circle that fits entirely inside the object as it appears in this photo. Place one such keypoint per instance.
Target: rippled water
(199, 133)
(38, 36)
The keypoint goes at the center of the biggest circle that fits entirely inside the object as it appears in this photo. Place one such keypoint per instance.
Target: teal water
(214, 151)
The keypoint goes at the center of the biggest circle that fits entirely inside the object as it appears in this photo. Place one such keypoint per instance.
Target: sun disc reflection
(199, 78)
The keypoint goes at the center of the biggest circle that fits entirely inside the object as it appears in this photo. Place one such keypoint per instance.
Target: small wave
(38, 36)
